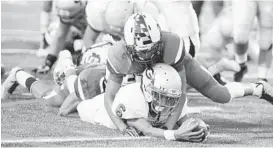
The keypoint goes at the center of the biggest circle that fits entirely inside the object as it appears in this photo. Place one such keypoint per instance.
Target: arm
(69, 105)
(90, 36)
(182, 133)
(113, 85)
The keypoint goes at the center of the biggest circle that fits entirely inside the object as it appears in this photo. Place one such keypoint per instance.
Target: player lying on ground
(83, 82)
(147, 106)
(70, 13)
(145, 45)
(88, 84)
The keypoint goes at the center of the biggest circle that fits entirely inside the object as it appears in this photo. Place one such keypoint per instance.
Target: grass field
(25, 122)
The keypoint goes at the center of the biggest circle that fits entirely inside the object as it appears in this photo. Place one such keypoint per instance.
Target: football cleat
(43, 69)
(10, 83)
(219, 79)
(238, 76)
(267, 92)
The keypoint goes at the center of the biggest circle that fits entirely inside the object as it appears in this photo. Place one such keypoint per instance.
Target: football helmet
(117, 12)
(162, 88)
(70, 10)
(142, 35)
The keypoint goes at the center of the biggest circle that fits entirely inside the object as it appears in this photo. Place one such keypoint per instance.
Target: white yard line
(88, 139)
(72, 139)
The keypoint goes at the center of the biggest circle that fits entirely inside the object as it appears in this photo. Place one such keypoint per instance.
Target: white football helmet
(162, 88)
(142, 35)
(70, 10)
(117, 12)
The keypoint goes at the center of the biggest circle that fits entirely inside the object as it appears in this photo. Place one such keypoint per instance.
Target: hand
(185, 133)
(130, 131)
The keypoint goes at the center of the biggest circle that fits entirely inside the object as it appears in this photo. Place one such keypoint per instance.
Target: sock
(25, 79)
(235, 89)
(257, 89)
(241, 52)
(50, 60)
(29, 82)
(241, 58)
(70, 81)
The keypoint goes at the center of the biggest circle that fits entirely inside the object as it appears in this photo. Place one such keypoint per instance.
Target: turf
(243, 122)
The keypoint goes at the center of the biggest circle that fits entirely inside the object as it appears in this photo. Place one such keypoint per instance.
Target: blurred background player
(70, 13)
(215, 43)
(244, 13)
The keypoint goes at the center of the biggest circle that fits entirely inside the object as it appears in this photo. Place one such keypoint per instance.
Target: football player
(145, 44)
(211, 50)
(70, 13)
(72, 83)
(146, 106)
(244, 13)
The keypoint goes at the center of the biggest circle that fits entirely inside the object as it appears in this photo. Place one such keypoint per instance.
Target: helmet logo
(142, 35)
(150, 74)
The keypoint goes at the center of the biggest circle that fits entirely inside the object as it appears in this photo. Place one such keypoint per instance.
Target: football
(202, 125)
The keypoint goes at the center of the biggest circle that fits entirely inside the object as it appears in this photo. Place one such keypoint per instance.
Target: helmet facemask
(162, 104)
(146, 55)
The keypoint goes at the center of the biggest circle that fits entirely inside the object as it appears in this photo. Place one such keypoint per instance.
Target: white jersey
(128, 104)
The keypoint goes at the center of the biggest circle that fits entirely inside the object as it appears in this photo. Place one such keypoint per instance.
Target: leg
(214, 41)
(38, 88)
(58, 44)
(203, 82)
(244, 13)
(265, 19)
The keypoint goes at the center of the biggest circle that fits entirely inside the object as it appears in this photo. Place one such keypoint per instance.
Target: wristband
(169, 135)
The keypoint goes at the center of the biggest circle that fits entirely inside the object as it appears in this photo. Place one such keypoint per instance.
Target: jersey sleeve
(174, 51)
(130, 103)
(118, 62)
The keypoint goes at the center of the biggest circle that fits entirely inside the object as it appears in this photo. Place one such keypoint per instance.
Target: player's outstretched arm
(69, 105)
(181, 134)
(113, 85)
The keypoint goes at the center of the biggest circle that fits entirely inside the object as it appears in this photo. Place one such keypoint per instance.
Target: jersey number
(90, 57)
(120, 109)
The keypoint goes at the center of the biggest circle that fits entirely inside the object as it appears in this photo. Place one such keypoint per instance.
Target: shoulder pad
(129, 103)
(172, 46)
(118, 61)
